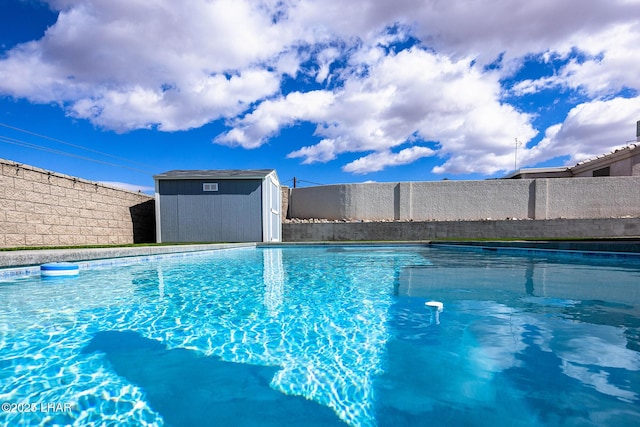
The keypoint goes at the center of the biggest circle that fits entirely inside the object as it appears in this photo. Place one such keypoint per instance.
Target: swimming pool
(328, 335)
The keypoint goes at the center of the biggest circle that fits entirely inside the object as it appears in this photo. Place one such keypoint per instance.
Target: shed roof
(215, 174)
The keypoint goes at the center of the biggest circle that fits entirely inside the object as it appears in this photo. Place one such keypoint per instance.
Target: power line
(21, 143)
(296, 181)
(75, 146)
(310, 182)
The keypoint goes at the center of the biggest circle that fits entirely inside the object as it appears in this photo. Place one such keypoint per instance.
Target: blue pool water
(331, 335)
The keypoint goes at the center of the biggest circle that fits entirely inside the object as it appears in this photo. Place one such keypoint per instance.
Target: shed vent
(210, 186)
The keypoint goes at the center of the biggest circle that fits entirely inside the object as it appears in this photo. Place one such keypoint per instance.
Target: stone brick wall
(284, 213)
(44, 208)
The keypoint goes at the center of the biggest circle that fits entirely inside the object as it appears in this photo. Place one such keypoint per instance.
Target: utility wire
(309, 182)
(21, 143)
(76, 146)
(296, 181)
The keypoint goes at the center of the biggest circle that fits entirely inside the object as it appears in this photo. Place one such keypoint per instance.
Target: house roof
(537, 171)
(622, 151)
(592, 163)
(215, 174)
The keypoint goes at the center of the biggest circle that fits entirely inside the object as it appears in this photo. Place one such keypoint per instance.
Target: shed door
(274, 204)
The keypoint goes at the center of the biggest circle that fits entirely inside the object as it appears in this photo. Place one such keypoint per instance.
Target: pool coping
(622, 247)
(26, 262)
(29, 258)
(37, 257)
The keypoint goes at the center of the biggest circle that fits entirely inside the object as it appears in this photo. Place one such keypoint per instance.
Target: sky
(326, 91)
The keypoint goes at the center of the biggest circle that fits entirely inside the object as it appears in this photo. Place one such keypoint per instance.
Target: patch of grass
(130, 245)
(536, 239)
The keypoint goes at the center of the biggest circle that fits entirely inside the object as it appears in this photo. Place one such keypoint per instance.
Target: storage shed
(218, 206)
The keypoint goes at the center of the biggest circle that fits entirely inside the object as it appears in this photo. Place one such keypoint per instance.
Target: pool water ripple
(345, 328)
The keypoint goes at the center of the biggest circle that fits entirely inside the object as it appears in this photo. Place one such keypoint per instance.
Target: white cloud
(590, 129)
(613, 64)
(134, 64)
(378, 161)
(481, 29)
(529, 86)
(325, 59)
(413, 95)
(609, 63)
(175, 109)
(323, 151)
(265, 121)
(130, 64)
(486, 29)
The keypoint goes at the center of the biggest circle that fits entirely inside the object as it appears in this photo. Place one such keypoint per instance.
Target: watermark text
(36, 407)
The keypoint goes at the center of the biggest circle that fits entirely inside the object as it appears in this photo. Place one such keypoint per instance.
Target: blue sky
(325, 91)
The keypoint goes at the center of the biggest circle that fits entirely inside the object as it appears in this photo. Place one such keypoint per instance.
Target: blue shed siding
(231, 214)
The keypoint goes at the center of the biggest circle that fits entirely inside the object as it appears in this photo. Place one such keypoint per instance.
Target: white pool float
(53, 269)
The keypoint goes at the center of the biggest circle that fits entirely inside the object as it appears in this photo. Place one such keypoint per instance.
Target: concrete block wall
(468, 200)
(606, 197)
(44, 208)
(430, 230)
(548, 198)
